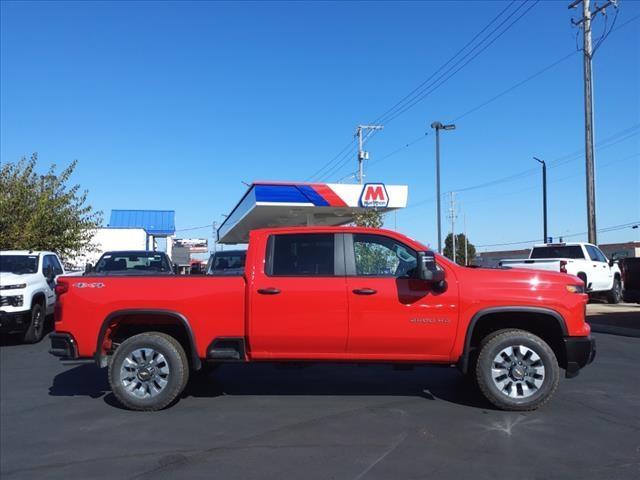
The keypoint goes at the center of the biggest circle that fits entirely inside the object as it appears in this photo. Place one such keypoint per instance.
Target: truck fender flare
(39, 296)
(100, 361)
(463, 363)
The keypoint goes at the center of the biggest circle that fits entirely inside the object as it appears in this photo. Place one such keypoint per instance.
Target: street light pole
(544, 196)
(437, 126)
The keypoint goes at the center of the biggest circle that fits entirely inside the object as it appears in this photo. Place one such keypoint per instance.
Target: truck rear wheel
(148, 371)
(516, 370)
(35, 331)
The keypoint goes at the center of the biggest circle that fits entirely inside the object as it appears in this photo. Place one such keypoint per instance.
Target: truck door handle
(268, 291)
(365, 291)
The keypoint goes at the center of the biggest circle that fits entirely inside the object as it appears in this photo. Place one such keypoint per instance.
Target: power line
(539, 72)
(509, 90)
(310, 177)
(337, 162)
(400, 149)
(608, 142)
(194, 228)
(332, 166)
(513, 87)
(602, 230)
(412, 92)
(605, 143)
(340, 164)
(440, 80)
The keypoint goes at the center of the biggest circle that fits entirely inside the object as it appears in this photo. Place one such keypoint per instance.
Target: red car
(326, 294)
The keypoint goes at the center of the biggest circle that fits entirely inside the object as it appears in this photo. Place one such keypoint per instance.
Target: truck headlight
(575, 288)
(14, 287)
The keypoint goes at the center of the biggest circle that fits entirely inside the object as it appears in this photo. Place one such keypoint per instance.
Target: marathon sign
(374, 195)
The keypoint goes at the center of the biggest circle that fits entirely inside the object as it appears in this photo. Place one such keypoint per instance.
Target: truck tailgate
(552, 265)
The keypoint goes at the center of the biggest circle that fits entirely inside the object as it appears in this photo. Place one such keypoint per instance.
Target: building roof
(155, 222)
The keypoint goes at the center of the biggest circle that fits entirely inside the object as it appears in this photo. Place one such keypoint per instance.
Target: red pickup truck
(329, 294)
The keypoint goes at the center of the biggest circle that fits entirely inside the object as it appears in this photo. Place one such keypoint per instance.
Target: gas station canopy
(273, 204)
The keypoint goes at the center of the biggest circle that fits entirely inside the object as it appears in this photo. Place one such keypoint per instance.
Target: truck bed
(214, 305)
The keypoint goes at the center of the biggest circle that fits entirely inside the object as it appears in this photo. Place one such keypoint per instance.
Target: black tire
(583, 276)
(35, 332)
(527, 396)
(175, 361)
(615, 294)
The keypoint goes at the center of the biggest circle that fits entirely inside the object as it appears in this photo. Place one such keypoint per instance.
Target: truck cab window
(57, 268)
(301, 255)
(380, 256)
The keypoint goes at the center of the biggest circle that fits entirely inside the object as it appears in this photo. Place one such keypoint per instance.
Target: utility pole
(585, 22)
(362, 155)
(466, 241)
(452, 215)
(544, 197)
(215, 236)
(437, 126)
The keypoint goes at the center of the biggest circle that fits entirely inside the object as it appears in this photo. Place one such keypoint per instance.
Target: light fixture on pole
(437, 126)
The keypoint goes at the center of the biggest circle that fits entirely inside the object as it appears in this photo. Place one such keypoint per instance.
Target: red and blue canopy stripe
(318, 194)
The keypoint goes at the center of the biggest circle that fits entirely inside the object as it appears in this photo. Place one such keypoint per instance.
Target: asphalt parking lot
(323, 422)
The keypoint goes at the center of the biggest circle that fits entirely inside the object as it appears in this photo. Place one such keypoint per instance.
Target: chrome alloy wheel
(517, 371)
(144, 373)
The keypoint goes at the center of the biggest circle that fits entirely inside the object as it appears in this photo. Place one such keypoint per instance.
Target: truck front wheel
(148, 371)
(35, 331)
(516, 370)
(615, 294)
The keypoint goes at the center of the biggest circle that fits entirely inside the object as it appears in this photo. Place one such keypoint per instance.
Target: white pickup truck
(27, 291)
(584, 260)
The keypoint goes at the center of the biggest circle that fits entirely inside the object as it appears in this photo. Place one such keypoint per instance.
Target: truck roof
(26, 252)
(345, 229)
(561, 244)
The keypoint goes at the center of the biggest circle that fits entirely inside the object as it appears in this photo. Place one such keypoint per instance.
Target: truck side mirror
(427, 269)
(88, 268)
(175, 268)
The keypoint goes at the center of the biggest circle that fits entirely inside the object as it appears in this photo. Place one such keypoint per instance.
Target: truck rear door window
(301, 255)
(567, 251)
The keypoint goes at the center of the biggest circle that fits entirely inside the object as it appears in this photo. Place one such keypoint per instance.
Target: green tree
(369, 218)
(44, 212)
(370, 258)
(448, 249)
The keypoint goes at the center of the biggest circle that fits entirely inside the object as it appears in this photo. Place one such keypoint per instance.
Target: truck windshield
(560, 251)
(19, 263)
(133, 261)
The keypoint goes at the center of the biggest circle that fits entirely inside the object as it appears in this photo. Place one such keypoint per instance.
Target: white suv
(27, 291)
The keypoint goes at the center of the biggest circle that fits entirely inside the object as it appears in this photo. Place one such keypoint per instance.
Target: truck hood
(530, 277)
(8, 278)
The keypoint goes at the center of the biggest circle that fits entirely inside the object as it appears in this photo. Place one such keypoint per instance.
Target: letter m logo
(374, 195)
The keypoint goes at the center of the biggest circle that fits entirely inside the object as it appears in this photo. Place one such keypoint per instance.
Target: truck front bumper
(14, 321)
(580, 352)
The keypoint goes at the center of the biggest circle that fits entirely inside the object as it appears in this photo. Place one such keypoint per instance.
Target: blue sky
(170, 105)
